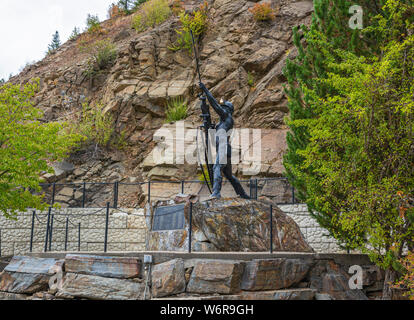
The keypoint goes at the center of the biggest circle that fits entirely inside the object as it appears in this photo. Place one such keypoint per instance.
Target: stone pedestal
(227, 225)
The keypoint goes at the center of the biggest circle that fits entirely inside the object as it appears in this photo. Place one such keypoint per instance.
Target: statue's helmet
(229, 106)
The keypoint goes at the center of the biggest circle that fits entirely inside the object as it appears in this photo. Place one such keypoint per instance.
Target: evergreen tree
(2, 81)
(304, 73)
(351, 142)
(126, 6)
(55, 44)
(75, 33)
(93, 25)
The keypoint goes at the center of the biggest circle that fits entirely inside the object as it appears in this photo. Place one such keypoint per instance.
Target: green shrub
(197, 22)
(93, 24)
(97, 127)
(251, 80)
(152, 13)
(201, 177)
(103, 54)
(176, 110)
(263, 12)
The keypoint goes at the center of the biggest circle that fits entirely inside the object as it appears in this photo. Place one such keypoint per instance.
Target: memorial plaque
(169, 218)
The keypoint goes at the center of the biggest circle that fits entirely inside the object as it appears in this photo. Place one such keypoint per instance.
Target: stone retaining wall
(221, 276)
(316, 236)
(127, 231)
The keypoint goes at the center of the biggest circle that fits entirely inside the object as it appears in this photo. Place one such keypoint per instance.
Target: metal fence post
(271, 228)
(256, 189)
(190, 231)
(84, 195)
(116, 185)
(51, 232)
(32, 231)
(149, 191)
(66, 234)
(79, 237)
(293, 195)
(53, 194)
(106, 228)
(47, 228)
(251, 188)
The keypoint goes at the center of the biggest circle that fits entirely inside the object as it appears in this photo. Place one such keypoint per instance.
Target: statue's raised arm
(213, 102)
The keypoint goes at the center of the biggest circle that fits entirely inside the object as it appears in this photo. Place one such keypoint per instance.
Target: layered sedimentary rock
(26, 275)
(287, 276)
(168, 279)
(99, 288)
(111, 267)
(241, 60)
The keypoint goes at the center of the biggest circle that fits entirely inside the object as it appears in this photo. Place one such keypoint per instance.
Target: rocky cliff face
(147, 73)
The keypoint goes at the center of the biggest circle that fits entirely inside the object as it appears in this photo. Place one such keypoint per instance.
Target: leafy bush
(27, 144)
(176, 110)
(97, 127)
(251, 79)
(201, 177)
(177, 7)
(152, 13)
(93, 24)
(407, 281)
(103, 54)
(115, 11)
(196, 21)
(263, 12)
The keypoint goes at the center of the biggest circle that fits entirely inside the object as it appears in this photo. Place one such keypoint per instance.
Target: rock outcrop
(147, 73)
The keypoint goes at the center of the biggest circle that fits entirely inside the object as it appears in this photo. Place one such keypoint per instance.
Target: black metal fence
(83, 192)
(253, 184)
(51, 219)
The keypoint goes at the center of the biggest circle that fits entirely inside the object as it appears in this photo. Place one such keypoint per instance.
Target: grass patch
(150, 14)
(177, 110)
(103, 54)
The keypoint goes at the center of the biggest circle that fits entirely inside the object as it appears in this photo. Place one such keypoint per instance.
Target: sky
(27, 27)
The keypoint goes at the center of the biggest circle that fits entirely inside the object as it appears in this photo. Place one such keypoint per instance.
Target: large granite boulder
(216, 277)
(27, 275)
(274, 274)
(99, 288)
(234, 225)
(109, 267)
(330, 280)
(168, 278)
